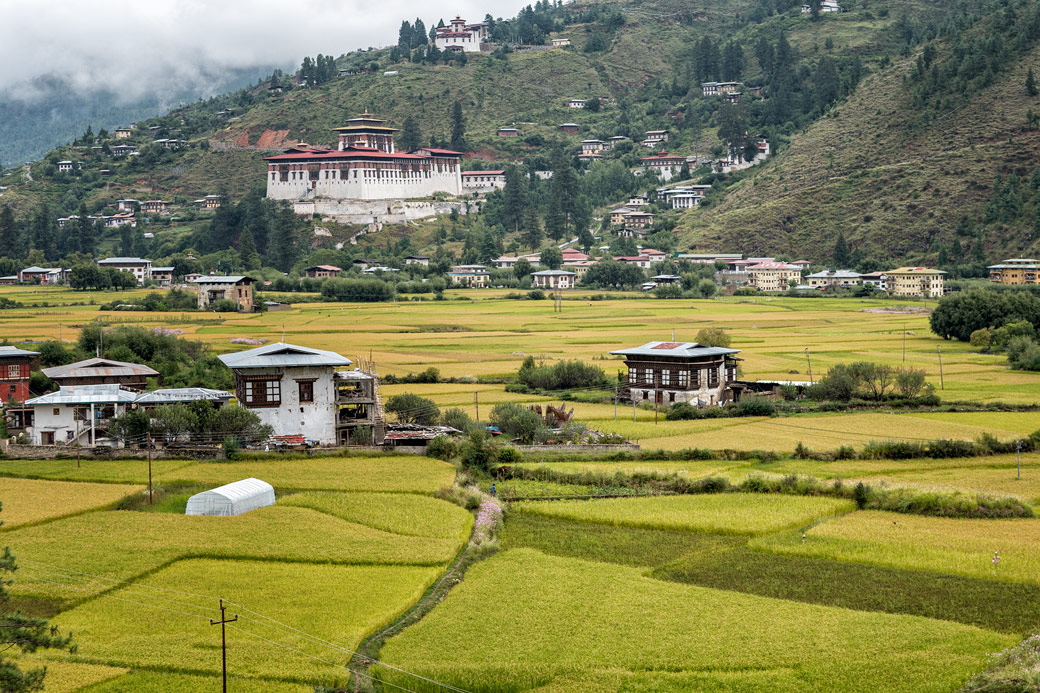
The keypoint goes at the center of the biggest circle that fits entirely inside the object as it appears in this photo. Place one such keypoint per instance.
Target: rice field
(142, 681)
(913, 542)
(728, 513)
(64, 676)
(30, 501)
(581, 625)
(354, 600)
(409, 515)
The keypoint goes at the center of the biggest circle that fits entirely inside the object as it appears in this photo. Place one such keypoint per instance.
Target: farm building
(238, 289)
(163, 276)
(77, 414)
(554, 279)
(15, 366)
(99, 371)
(670, 372)
(235, 498)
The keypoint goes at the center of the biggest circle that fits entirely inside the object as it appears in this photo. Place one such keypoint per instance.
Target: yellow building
(1016, 271)
(773, 276)
(915, 281)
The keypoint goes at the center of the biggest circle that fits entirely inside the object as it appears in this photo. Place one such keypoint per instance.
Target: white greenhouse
(232, 499)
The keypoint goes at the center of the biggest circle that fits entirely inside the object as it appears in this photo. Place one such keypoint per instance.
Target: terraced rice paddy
(29, 501)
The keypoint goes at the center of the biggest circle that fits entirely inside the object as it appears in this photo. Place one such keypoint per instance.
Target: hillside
(894, 187)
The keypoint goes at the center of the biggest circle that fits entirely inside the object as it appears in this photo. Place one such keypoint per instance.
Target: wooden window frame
(247, 391)
(305, 386)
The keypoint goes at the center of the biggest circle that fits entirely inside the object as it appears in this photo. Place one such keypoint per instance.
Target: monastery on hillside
(366, 166)
(461, 37)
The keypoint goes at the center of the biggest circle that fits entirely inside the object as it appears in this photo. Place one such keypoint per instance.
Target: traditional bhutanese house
(560, 42)
(569, 128)
(483, 181)
(366, 166)
(670, 372)
(579, 267)
(460, 37)
(155, 207)
(639, 220)
(124, 149)
(163, 276)
(641, 261)
(575, 103)
(423, 260)
(1016, 271)
(829, 278)
(191, 277)
(616, 140)
(590, 157)
(210, 202)
(16, 365)
(469, 275)
(42, 275)
(554, 279)
(617, 216)
(572, 255)
(915, 281)
(77, 414)
(140, 267)
(773, 276)
(322, 271)
(65, 166)
(123, 133)
(667, 166)
(716, 88)
(507, 132)
(9, 280)
(102, 371)
(592, 146)
(879, 280)
(235, 288)
(654, 255)
(652, 138)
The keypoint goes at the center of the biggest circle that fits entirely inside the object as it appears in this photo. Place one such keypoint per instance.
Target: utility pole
(476, 403)
(1018, 458)
(149, 467)
(904, 342)
(615, 400)
(223, 639)
(657, 394)
(809, 361)
(942, 385)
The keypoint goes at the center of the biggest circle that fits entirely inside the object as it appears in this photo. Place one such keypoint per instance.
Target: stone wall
(377, 211)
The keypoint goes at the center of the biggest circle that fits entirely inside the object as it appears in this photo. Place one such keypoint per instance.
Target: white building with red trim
(461, 37)
(666, 165)
(366, 166)
(483, 181)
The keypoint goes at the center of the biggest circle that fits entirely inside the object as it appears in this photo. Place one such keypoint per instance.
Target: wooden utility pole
(657, 394)
(904, 342)
(809, 361)
(223, 640)
(942, 385)
(476, 403)
(149, 468)
(615, 401)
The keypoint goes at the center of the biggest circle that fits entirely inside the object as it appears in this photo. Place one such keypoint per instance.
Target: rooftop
(214, 279)
(8, 351)
(181, 394)
(85, 394)
(282, 354)
(97, 368)
(124, 261)
(675, 350)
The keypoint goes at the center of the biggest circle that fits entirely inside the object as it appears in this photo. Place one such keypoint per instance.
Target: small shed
(235, 498)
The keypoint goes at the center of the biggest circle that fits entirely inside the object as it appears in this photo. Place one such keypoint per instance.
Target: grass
(354, 600)
(30, 501)
(584, 625)
(731, 513)
(122, 545)
(405, 514)
(1015, 669)
(107, 471)
(156, 682)
(912, 542)
(67, 676)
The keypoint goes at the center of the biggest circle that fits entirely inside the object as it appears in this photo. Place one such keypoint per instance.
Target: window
(648, 375)
(261, 391)
(671, 396)
(666, 377)
(633, 375)
(684, 379)
(646, 394)
(57, 412)
(14, 371)
(306, 391)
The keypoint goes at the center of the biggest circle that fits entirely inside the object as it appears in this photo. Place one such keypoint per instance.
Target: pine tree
(247, 252)
(10, 238)
(418, 33)
(1031, 83)
(26, 633)
(514, 198)
(732, 62)
(411, 135)
(404, 36)
(44, 234)
(84, 241)
(126, 241)
(826, 82)
(841, 256)
(458, 127)
(531, 229)
(585, 239)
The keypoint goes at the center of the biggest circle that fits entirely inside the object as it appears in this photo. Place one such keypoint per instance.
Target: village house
(423, 260)
(169, 143)
(507, 132)
(137, 266)
(9, 280)
(365, 262)
(592, 146)
(575, 103)
(639, 220)
(616, 140)
(825, 6)
(458, 36)
(191, 277)
(641, 261)
(42, 275)
(469, 275)
(64, 166)
(829, 278)
(915, 281)
(637, 201)
(123, 133)
(127, 205)
(560, 42)
(879, 280)
(102, 371)
(652, 138)
(579, 267)
(155, 207)
(16, 365)
(163, 276)
(117, 220)
(321, 272)
(299, 391)
(209, 202)
(773, 276)
(686, 200)
(667, 166)
(570, 128)
(235, 288)
(554, 279)
(617, 216)
(716, 88)
(670, 372)
(119, 150)
(653, 254)
(483, 181)
(77, 414)
(366, 166)
(1016, 271)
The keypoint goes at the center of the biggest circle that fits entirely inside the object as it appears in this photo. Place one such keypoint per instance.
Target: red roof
(486, 173)
(434, 150)
(629, 258)
(349, 153)
(663, 157)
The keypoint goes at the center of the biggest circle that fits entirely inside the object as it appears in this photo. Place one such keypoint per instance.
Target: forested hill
(934, 158)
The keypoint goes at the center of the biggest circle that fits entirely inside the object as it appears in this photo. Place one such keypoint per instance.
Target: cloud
(140, 47)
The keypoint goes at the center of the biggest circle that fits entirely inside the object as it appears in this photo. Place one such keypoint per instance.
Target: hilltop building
(483, 181)
(670, 372)
(825, 6)
(460, 37)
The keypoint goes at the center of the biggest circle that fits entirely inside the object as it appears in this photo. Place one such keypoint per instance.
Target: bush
(517, 421)
(509, 455)
(458, 419)
(562, 375)
(754, 406)
(357, 290)
(411, 408)
(224, 305)
(714, 336)
(477, 453)
(443, 448)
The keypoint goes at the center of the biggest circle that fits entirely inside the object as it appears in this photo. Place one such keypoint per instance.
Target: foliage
(714, 336)
(517, 421)
(959, 315)
(442, 447)
(1018, 667)
(562, 375)
(458, 419)
(357, 290)
(478, 453)
(411, 408)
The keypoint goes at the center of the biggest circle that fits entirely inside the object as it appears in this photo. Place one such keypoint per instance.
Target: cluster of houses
(298, 391)
(127, 208)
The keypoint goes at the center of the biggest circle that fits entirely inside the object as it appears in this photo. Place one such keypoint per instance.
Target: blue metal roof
(675, 350)
(283, 355)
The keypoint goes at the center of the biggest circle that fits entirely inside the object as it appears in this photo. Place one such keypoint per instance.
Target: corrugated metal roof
(835, 274)
(95, 368)
(181, 394)
(85, 394)
(281, 354)
(552, 273)
(6, 351)
(220, 280)
(675, 350)
(124, 261)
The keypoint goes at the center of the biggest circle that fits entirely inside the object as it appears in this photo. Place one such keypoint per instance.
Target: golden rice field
(29, 501)
(941, 545)
(65, 676)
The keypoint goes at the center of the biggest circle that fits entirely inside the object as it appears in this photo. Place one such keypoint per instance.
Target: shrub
(861, 494)
(910, 382)
(477, 453)
(509, 455)
(714, 336)
(443, 448)
(411, 408)
(224, 305)
(517, 421)
(754, 406)
(981, 338)
(458, 419)
(562, 375)
(357, 290)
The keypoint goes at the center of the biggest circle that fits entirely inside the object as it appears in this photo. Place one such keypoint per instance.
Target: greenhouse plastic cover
(232, 499)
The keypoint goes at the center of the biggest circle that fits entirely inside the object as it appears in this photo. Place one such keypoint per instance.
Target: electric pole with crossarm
(223, 639)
